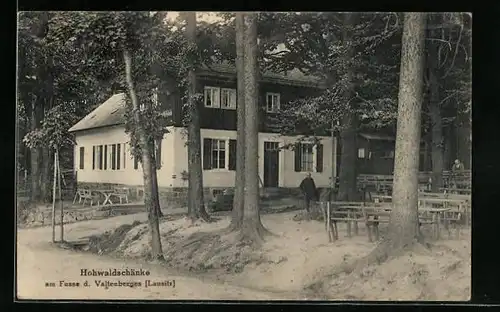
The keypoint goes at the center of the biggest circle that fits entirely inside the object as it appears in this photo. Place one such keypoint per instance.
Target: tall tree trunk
(47, 78)
(40, 173)
(435, 115)
(464, 144)
(403, 225)
(154, 181)
(239, 204)
(150, 200)
(252, 228)
(348, 156)
(35, 154)
(195, 187)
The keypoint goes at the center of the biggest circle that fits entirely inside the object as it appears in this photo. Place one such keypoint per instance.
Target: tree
(347, 50)
(252, 228)
(126, 44)
(348, 134)
(196, 205)
(403, 225)
(151, 202)
(238, 203)
(448, 88)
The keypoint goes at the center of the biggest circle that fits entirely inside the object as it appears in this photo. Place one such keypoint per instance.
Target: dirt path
(39, 262)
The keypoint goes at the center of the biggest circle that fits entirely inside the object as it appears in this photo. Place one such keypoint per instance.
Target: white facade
(174, 159)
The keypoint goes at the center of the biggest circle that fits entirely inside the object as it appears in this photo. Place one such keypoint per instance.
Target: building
(376, 154)
(102, 154)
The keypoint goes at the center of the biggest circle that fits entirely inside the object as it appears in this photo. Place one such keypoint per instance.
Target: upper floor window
(228, 98)
(220, 98)
(272, 102)
(212, 97)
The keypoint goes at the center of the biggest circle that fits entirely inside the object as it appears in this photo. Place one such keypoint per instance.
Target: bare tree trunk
(238, 204)
(154, 180)
(403, 225)
(437, 152)
(195, 191)
(35, 153)
(348, 156)
(252, 228)
(150, 200)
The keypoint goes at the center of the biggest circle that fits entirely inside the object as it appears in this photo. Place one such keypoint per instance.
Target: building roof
(109, 113)
(291, 77)
(370, 136)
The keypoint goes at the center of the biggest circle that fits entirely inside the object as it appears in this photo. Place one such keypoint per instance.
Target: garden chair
(121, 193)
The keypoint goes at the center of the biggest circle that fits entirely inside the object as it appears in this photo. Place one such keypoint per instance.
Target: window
(212, 97)
(115, 156)
(307, 160)
(308, 157)
(228, 98)
(97, 158)
(82, 155)
(361, 153)
(106, 157)
(272, 102)
(215, 154)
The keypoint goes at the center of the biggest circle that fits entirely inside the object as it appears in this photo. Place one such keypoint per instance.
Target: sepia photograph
(263, 156)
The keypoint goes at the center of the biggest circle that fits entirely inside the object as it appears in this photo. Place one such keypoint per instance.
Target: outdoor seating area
(449, 208)
(102, 197)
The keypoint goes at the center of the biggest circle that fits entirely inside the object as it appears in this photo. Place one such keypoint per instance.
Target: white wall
(225, 178)
(127, 175)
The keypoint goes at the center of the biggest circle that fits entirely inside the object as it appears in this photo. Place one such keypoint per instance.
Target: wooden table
(461, 203)
(436, 218)
(107, 196)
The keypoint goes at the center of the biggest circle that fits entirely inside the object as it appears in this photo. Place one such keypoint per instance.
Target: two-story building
(102, 153)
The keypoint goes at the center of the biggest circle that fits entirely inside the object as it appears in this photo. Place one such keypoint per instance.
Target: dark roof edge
(292, 82)
(98, 127)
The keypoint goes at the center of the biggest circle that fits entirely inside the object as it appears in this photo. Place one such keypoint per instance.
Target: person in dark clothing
(308, 188)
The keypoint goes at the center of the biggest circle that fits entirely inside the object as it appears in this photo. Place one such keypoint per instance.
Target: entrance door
(271, 164)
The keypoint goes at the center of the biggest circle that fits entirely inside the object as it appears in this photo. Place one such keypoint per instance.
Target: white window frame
(214, 91)
(232, 98)
(361, 153)
(313, 155)
(274, 106)
(226, 154)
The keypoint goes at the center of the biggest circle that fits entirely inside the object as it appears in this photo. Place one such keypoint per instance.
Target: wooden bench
(334, 212)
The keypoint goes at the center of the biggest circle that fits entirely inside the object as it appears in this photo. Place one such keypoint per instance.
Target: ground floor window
(217, 154)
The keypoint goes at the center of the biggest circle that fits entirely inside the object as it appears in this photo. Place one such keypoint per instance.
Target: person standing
(456, 168)
(308, 188)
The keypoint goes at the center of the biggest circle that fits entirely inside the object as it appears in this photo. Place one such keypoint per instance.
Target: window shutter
(118, 154)
(124, 155)
(82, 159)
(232, 154)
(298, 157)
(93, 157)
(319, 158)
(136, 162)
(113, 156)
(158, 154)
(207, 154)
(105, 157)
